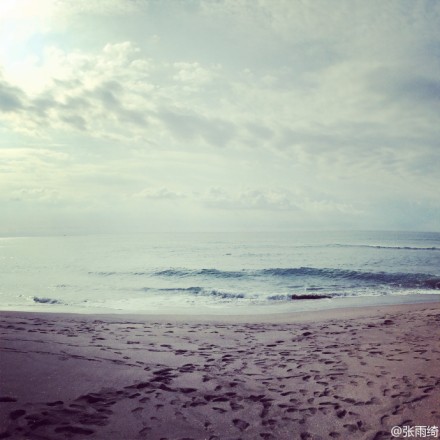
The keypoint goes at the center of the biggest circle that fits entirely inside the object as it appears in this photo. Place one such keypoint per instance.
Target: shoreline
(334, 374)
(272, 311)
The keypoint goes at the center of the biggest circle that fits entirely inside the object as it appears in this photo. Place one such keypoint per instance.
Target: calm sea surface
(201, 273)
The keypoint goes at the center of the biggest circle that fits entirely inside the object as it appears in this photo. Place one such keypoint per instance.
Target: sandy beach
(339, 374)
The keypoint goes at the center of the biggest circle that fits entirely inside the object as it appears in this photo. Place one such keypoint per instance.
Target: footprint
(7, 399)
(58, 402)
(14, 415)
(188, 390)
(240, 424)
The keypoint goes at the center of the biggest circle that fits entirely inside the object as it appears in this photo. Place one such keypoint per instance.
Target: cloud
(250, 199)
(39, 195)
(100, 7)
(407, 88)
(299, 111)
(159, 194)
(11, 98)
(82, 92)
(187, 125)
(101, 93)
(192, 74)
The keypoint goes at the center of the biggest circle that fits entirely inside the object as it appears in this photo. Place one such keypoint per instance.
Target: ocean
(217, 273)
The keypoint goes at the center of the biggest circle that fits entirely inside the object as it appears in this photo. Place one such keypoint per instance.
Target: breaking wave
(198, 291)
(402, 280)
(299, 274)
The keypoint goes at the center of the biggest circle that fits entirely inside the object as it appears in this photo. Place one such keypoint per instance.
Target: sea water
(216, 273)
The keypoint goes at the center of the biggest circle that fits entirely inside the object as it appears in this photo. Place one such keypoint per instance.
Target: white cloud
(250, 199)
(275, 200)
(159, 194)
(192, 73)
(44, 195)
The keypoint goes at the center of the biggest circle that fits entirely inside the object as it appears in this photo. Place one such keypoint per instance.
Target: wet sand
(339, 374)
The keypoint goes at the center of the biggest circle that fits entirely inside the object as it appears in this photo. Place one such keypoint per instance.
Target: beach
(350, 373)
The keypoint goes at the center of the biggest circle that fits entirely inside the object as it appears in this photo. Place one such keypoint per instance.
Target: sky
(221, 115)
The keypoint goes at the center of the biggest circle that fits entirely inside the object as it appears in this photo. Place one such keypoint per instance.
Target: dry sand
(342, 374)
